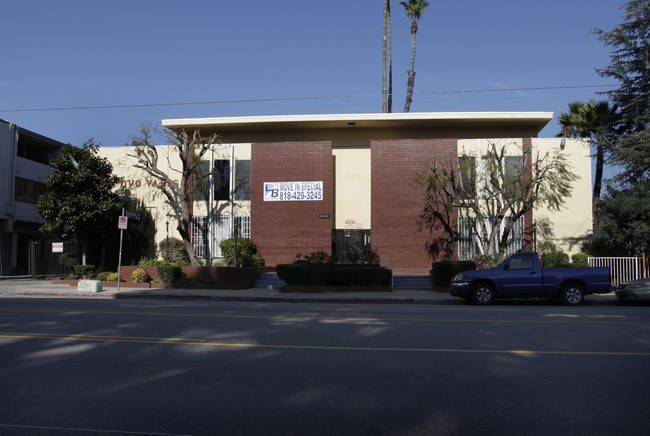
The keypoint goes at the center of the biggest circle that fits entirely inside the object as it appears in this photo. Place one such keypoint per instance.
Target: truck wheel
(482, 294)
(572, 294)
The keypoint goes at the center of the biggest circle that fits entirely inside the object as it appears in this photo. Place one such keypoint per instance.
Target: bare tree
(190, 149)
(493, 191)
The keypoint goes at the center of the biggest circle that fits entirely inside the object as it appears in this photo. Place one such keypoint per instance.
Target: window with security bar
(202, 239)
(468, 241)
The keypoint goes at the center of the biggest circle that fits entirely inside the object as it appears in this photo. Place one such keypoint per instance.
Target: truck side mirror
(506, 266)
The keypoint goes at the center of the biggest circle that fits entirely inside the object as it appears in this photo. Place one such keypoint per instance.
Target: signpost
(122, 224)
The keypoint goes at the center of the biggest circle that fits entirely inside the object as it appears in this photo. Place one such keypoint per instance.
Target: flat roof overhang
(393, 120)
(445, 124)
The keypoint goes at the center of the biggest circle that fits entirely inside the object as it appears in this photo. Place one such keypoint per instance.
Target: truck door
(520, 276)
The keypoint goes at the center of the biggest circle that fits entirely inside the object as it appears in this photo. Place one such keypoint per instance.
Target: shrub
(483, 261)
(581, 258)
(85, 271)
(554, 258)
(145, 261)
(69, 259)
(299, 274)
(170, 273)
(112, 277)
(355, 255)
(319, 274)
(103, 276)
(177, 253)
(445, 270)
(316, 257)
(140, 276)
(247, 254)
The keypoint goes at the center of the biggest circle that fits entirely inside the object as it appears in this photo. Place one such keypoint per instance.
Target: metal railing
(622, 269)
(387, 262)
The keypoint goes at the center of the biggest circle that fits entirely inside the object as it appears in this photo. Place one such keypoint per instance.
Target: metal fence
(622, 269)
(43, 262)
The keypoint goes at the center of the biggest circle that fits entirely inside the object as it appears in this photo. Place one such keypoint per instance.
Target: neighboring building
(325, 182)
(24, 168)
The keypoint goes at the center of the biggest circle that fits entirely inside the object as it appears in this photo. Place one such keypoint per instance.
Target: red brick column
(397, 202)
(282, 229)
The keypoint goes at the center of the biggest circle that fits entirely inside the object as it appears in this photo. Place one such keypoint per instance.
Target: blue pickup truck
(521, 276)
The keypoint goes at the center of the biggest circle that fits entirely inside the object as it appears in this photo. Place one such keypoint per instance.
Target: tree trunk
(390, 61)
(411, 74)
(384, 90)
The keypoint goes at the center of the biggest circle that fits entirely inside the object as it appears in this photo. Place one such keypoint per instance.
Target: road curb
(131, 296)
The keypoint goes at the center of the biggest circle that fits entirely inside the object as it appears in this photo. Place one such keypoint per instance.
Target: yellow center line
(201, 342)
(314, 318)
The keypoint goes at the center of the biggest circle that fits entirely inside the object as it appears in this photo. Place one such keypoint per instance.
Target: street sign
(57, 247)
(132, 215)
(122, 223)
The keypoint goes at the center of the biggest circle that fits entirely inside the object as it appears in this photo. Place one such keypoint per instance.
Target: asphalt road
(110, 367)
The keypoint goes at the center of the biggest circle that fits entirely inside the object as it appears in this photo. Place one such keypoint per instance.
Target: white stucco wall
(574, 220)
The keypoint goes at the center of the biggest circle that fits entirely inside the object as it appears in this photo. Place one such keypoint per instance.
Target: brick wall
(397, 202)
(282, 229)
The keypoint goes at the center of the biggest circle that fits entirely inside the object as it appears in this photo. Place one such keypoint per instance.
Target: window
(221, 180)
(468, 242)
(467, 177)
(242, 180)
(242, 189)
(27, 190)
(525, 261)
(512, 171)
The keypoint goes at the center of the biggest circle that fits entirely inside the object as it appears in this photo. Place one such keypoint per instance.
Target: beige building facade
(362, 168)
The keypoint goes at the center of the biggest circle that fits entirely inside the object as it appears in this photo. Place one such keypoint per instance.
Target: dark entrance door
(348, 244)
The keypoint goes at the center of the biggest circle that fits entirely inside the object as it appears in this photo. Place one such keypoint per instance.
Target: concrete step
(412, 282)
(269, 279)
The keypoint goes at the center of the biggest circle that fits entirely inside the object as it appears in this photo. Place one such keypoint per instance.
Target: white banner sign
(57, 247)
(293, 191)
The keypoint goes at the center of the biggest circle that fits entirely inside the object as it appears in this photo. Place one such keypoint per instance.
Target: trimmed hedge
(307, 274)
(445, 270)
(85, 271)
(362, 276)
(170, 274)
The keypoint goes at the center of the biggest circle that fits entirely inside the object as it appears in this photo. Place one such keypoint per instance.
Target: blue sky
(73, 54)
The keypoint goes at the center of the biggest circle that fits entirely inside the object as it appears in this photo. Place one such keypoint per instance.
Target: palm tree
(597, 122)
(414, 9)
(387, 101)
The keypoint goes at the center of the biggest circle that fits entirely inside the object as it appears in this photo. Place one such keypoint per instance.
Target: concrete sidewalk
(24, 288)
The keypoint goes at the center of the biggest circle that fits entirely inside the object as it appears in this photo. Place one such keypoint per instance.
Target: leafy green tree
(79, 202)
(629, 43)
(596, 122)
(625, 216)
(625, 209)
(414, 9)
(137, 238)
